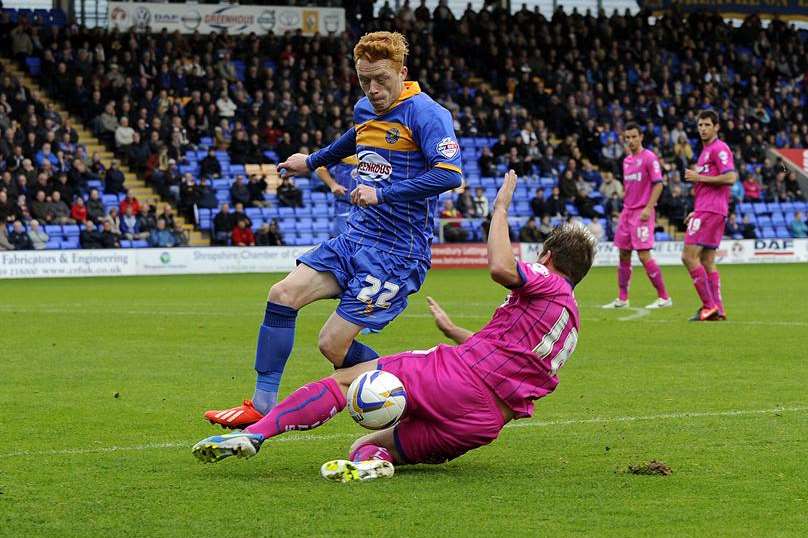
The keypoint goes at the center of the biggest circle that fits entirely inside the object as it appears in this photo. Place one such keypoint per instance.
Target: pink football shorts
(633, 233)
(449, 409)
(705, 229)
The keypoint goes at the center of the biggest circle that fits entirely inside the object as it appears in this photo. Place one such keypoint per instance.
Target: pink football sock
(715, 288)
(655, 276)
(370, 452)
(623, 278)
(700, 281)
(308, 407)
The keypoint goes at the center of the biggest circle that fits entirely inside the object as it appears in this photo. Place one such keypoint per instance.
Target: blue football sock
(275, 340)
(358, 353)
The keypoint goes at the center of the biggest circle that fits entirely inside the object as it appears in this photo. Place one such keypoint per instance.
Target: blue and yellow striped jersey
(414, 136)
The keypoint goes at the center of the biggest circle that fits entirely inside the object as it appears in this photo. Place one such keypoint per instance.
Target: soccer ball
(376, 399)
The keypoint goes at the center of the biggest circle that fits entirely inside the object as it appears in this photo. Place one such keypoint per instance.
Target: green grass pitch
(725, 405)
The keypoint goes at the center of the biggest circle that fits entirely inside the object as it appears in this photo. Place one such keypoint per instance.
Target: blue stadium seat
(303, 211)
(764, 220)
(125, 243)
(761, 207)
(768, 232)
(787, 207)
(777, 218)
(745, 208)
(782, 231)
(71, 243)
(70, 230)
(140, 243)
(53, 229)
(285, 212)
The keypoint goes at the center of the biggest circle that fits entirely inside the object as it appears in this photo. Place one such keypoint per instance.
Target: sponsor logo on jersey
(447, 147)
(373, 167)
(637, 176)
(392, 136)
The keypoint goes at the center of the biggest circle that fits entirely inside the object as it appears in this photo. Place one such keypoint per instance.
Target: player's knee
(284, 294)
(332, 347)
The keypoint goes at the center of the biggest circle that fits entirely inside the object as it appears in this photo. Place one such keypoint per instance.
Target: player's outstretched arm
(302, 164)
(501, 263)
(445, 324)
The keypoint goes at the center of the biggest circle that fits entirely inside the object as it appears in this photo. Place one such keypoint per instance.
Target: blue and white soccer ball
(376, 399)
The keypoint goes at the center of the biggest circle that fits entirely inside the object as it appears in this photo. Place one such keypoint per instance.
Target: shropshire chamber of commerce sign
(233, 19)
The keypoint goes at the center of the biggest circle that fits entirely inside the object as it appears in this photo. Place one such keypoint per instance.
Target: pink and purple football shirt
(518, 353)
(640, 173)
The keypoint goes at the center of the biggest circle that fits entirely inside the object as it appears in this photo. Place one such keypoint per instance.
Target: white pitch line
(638, 313)
(522, 424)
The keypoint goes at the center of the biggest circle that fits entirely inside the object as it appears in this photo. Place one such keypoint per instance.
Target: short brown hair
(573, 250)
(377, 46)
(708, 114)
(632, 126)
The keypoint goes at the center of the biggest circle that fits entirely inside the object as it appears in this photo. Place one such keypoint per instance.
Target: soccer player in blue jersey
(407, 155)
(339, 178)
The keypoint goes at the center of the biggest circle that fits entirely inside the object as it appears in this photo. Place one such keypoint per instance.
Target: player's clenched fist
(691, 175)
(364, 196)
(295, 165)
(505, 194)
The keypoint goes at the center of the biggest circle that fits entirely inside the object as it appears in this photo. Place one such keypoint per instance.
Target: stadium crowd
(555, 93)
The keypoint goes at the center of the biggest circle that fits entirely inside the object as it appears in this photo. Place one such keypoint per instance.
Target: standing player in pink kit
(458, 397)
(705, 225)
(642, 181)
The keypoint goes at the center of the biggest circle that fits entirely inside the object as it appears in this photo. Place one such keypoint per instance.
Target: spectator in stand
(538, 205)
(114, 220)
(124, 136)
(614, 204)
(138, 153)
(239, 213)
(161, 236)
(79, 175)
(611, 154)
(733, 229)
(798, 227)
(487, 163)
(148, 218)
(555, 206)
(517, 163)
(130, 226)
(5, 244)
(546, 227)
(530, 233)
(610, 186)
(793, 191)
(239, 148)
(242, 236)
(452, 231)
(567, 186)
(257, 187)
(269, 235)
(751, 189)
(239, 192)
(210, 166)
(95, 207)
(480, 203)
(41, 209)
(38, 237)
(465, 204)
(9, 212)
(596, 229)
(90, 237)
(19, 237)
(223, 224)
(189, 196)
(748, 228)
(288, 194)
(206, 196)
(129, 201)
(59, 209)
(677, 208)
(109, 239)
(114, 179)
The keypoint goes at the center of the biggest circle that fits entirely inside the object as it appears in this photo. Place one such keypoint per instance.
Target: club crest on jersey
(447, 147)
(373, 167)
(392, 136)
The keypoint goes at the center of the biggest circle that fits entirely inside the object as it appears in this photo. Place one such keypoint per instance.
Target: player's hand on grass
(691, 175)
(338, 190)
(442, 319)
(295, 165)
(505, 194)
(364, 196)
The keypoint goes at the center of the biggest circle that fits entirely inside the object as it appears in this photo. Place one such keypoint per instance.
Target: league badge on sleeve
(448, 147)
